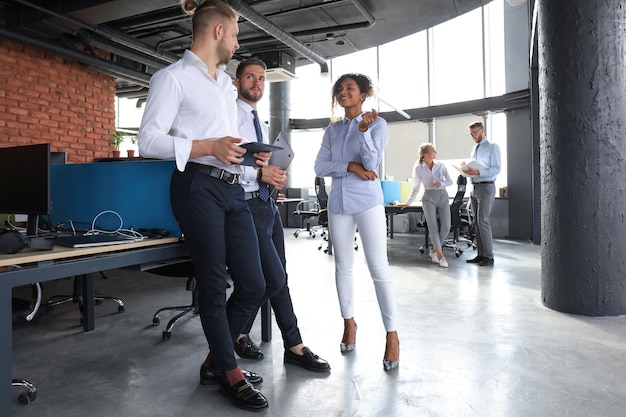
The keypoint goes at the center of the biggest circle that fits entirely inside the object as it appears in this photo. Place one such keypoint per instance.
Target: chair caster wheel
(121, 309)
(156, 321)
(26, 398)
(167, 335)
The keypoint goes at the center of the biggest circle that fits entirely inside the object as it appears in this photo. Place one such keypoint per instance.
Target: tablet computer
(253, 147)
(283, 158)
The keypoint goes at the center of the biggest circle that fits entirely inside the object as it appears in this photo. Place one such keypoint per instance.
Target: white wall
(401, 153)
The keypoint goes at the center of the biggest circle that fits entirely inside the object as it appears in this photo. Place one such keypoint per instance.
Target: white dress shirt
(422, 175)
(185, 103)
(245, 125)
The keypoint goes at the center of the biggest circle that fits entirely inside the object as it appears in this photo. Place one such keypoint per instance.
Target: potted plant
(116, 140)
(133, 141)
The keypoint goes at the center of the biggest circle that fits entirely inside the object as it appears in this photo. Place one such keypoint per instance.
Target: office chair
(468, 228)
(309, 210)
(322, 222)
(27, 396)
(26, 311)
(76, 297)
(455, 216)
(179, 268)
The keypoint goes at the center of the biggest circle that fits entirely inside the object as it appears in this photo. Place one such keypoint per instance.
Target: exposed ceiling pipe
(95, 63)
(270, 28)
(91, 39)
(115, 35)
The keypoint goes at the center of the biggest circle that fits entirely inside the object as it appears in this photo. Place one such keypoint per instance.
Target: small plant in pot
(116, 140)
(133, 141)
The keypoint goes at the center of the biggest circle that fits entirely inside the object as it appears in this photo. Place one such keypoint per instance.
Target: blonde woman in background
(433, 175)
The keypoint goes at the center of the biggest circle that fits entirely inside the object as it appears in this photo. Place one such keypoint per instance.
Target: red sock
(207, 361)
(234, 376)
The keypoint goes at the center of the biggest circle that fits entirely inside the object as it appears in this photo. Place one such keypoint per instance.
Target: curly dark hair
(363, 81)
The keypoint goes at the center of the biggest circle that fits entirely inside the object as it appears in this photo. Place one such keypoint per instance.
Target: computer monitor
(25, 182)
(58, 158)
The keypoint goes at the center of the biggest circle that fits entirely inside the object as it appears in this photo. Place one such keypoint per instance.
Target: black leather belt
(250, 195)
(483, 182)
(220, 174)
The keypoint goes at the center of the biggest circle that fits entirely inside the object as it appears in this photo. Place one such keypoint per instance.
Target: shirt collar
(244, 106)
(356, 119)
(192, 59)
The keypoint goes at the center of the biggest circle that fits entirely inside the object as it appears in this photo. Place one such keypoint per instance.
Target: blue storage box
(391, 191)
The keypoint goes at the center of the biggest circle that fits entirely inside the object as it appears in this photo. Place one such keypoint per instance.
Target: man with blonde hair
(484, 192)
(191, 117)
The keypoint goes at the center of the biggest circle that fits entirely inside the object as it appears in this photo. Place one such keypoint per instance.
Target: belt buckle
(231, 180)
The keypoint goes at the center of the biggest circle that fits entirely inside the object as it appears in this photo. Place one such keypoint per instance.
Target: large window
(457, 59)
(404, 72)
(310, 93)
(460, 60)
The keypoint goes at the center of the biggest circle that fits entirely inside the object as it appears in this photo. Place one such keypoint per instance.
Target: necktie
(476, 150)
(264, 189)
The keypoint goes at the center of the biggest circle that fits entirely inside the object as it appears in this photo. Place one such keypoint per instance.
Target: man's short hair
(246, 63)
(476, 124)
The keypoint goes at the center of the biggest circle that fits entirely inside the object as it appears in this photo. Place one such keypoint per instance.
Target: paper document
(473, 164)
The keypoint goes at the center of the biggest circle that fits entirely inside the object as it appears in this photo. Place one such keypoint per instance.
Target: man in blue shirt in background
(484, 192)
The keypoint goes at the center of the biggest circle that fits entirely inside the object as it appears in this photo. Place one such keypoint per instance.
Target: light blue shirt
(343, 143)
(488, 155)
(424, 175)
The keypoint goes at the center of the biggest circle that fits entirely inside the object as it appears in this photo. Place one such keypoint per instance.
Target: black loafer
(486, 262)
(210, 376)
(475, 260)
(246, 348)
(244, 395)
(308, 360)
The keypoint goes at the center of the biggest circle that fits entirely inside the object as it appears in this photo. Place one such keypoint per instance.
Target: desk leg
(266, 321)
(391, 226)
(6, 347)
(88, 302)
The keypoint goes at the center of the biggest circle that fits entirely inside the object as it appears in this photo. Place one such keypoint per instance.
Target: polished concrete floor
(475, 341)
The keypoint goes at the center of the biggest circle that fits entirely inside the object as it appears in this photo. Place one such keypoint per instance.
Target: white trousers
(372, 228)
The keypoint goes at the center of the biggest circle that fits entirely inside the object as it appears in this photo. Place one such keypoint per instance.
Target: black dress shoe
(486, 262)
(475, 260)
(246, 348)
(308, 360)
(209, 376)
(244, 395)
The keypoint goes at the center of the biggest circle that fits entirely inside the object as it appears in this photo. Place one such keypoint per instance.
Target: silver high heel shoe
(348, 347)
(389, 365)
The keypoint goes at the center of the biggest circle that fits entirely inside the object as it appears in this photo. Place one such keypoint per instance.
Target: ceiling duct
(270, 28)
(280, 66)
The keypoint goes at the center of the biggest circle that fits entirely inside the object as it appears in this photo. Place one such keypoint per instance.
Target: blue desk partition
(137, 190)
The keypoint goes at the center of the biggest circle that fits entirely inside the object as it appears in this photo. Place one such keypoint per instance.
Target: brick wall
(47, 98)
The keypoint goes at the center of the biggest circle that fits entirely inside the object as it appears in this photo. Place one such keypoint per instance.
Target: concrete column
(582, 107)
(280, 113)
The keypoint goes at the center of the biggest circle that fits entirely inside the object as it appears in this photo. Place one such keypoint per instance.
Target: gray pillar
(280, 113)
(582, 73)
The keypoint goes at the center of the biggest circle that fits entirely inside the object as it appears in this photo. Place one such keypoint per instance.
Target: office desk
(391, 211)
(39, 266)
